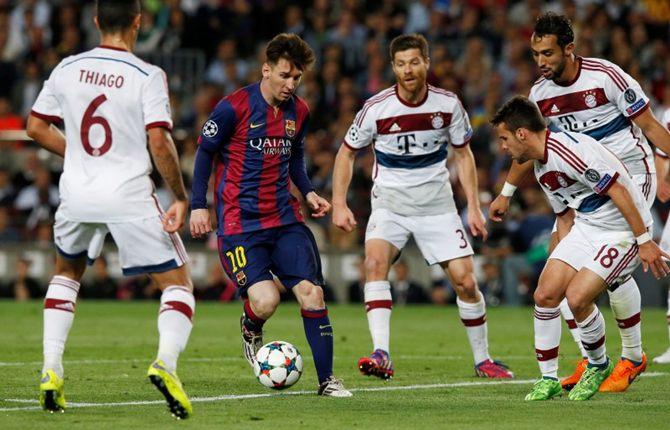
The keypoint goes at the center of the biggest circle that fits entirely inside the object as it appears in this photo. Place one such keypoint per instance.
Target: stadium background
(479, 50)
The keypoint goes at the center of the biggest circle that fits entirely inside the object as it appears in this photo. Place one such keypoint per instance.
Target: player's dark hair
(556, 24)
(409, 41)
(519, 112)
(116, 15)
(290, 47)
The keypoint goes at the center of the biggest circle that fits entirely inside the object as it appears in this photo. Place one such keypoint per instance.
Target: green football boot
(545, 389)
(590, 381)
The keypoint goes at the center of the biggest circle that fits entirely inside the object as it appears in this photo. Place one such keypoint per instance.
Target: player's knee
(310, 295)
(466, 286)
(265, 306)
(545, 297)
(376, 268)
(579, 304)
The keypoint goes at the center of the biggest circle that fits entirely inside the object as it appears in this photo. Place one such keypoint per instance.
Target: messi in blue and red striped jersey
(256, 136)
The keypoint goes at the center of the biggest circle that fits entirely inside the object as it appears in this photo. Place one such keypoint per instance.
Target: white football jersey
(577, 172)
(600, 102)
(410, 146)
(107, 98)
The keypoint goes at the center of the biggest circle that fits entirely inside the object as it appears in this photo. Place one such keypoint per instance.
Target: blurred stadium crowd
(479, 50)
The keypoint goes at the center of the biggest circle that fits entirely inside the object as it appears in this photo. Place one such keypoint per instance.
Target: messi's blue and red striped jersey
(257, 148)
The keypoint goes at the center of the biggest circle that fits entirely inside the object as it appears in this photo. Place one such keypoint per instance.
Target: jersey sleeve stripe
(48, 118)
(616, 77)
(558, 147)
(565, 158)
(563, 212)
(461, 145)
(344, 142)
(640, 112)
(164, 124)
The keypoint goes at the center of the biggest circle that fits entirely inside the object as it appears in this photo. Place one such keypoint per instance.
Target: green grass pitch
(112, 343)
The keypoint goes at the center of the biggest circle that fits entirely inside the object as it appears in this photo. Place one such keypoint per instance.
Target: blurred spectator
(8, 233)
(356, 289)
(101, 285)
(38, 202)
(219, 287)
(7, 190)
(23, 286)
(404, 290)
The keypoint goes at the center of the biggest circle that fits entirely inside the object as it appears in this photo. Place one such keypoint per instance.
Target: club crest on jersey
(554, 180)
(210, 128)
(590, 99)
(630, 95)
(289, 126)
(241, 278)
(592, 175)
(437, 121)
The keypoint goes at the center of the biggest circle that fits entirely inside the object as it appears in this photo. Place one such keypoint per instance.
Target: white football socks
(378, 306)
(547, 325)
(59, 307)
(626, 304)
(174, 324)
(473, 316)
(592, 333)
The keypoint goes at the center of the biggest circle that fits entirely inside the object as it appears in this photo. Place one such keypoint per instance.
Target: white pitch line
(291, 393)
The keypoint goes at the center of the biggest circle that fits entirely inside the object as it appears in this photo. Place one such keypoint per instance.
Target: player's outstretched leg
(570, 381)
(592, 333)
(59, 307)
(665, 357)
(251, 327)
(626, 305)
(174, 328)
(547, 325)
(378, 307)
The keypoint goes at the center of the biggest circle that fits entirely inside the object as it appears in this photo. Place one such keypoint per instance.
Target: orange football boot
(572, 380)
(623, 375)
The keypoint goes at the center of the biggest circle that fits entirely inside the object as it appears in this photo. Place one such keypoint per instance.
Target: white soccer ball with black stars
(278, 365)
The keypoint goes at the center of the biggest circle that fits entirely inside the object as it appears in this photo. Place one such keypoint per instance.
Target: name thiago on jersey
(101, 79)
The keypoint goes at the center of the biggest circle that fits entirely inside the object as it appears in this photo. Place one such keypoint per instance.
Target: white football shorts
(612, 255)
(439, 237)
(144, 247)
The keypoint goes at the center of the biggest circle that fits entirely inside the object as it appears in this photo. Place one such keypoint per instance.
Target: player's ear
(265, 70)
(520, 134)
(95, 21)
(569, 49)
(137, 22)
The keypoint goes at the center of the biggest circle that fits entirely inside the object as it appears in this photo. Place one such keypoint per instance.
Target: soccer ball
(278, 365)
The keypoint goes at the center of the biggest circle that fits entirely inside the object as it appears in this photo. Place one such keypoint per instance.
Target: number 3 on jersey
(238, 258)
(89, 121)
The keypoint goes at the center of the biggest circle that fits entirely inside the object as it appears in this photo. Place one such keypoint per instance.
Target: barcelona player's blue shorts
(288, 252)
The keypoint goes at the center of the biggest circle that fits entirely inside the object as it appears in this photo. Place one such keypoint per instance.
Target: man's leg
(582, 293)
(472, 310)
(59, 308)
(547, 326)
(261, 303)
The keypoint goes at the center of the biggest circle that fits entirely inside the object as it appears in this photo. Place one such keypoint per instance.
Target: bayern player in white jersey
(663, 194)
(109, 100)
(410, 126)
(602, 225)
(594, 97)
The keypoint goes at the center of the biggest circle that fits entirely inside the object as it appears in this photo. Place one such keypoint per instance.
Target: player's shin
(592, 333)
(473, 316)
(319, 335)
(174, 324)
(547, 326)
(59, 307)
(625, 301)
(572, 325)
(378, 305)
(252, 322)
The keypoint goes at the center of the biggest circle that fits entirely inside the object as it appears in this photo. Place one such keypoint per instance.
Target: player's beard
(558, 72)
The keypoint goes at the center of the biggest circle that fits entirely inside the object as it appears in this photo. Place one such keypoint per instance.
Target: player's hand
(200, 223)
(477, 223)
(344, 218)
(175, 216)
(498, 208)
(320, 206)
(652, 257)
(663, 191)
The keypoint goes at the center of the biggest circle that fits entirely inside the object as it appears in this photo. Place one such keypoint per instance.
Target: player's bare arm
(46, 135)
(662, 164)
(650, 254)
(165, 157)
(653, 130)
(500, 205)
(342, 172)
(467, 174)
